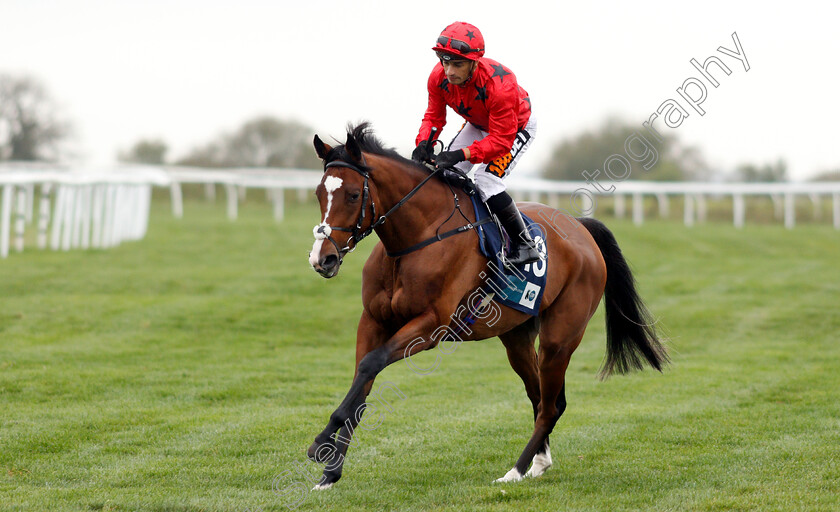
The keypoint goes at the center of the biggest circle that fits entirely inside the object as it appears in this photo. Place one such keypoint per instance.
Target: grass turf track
(185, 372)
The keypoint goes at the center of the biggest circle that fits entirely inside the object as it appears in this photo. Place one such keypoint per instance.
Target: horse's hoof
(542, 461)
(327, 480)
(512, 476)
(321, 452)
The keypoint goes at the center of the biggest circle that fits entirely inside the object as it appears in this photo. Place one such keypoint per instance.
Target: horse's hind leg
(519, 343)
(558, 340)
(552, 367)
(523, 359)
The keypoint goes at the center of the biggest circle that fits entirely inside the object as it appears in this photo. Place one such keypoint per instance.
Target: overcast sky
(188, 70)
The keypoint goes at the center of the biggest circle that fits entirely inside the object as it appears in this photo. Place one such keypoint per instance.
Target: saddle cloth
(520, 288)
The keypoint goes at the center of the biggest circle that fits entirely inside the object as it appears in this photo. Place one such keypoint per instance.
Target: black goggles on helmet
(456, 44)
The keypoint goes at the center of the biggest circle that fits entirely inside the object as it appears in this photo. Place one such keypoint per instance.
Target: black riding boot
(522, 246)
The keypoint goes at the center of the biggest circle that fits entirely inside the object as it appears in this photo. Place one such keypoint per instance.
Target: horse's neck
(423, 212)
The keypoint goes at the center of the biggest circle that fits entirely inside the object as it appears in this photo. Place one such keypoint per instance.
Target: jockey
(499, 126)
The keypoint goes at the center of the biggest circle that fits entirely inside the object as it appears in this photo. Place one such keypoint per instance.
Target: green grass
(187, 371)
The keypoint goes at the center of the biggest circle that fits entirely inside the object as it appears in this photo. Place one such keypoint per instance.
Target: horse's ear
(320, 148)
(353, 149)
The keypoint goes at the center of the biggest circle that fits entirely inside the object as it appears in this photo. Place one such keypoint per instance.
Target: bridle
(357, 234)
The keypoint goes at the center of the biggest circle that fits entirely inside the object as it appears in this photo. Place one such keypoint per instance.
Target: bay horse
(416, 279)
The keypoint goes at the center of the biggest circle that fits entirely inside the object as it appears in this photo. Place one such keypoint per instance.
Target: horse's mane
(363, 134)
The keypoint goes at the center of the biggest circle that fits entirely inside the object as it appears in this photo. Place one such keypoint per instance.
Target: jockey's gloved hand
(423, 152)
(450, 158)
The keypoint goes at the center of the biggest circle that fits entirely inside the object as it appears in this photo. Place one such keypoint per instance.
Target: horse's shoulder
(378, 269)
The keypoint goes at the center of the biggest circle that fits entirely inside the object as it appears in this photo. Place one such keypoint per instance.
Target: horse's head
(344, 197)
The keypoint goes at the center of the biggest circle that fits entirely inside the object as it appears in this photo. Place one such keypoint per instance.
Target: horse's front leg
(349, 412)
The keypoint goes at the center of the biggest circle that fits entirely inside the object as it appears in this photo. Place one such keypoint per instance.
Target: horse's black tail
(631, 337)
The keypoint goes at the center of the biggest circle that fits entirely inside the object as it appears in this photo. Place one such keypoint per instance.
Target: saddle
(458, 179)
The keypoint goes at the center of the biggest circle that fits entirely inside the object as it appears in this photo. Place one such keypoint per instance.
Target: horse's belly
(492, 320)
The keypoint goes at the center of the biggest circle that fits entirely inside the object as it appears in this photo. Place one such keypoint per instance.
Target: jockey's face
(457, 71)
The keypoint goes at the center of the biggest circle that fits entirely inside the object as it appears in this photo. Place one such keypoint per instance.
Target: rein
(356, 232)
(437, 238)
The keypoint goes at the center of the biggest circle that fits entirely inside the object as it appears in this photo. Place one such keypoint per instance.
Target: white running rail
(80, 208)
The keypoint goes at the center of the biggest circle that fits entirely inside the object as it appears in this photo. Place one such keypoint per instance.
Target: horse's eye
(353, 197)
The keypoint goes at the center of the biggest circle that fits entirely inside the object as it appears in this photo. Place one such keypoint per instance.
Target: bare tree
(589, 150)
(30, 128)
(260, 142)
(768, 172)
(270, 142)
(146, 151)
(209, 155)
(827, 176)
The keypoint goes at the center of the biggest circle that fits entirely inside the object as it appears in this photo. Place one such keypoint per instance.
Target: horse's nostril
(329, 261)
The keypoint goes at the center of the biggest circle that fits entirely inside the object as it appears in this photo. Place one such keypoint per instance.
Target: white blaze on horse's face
(323, 230)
